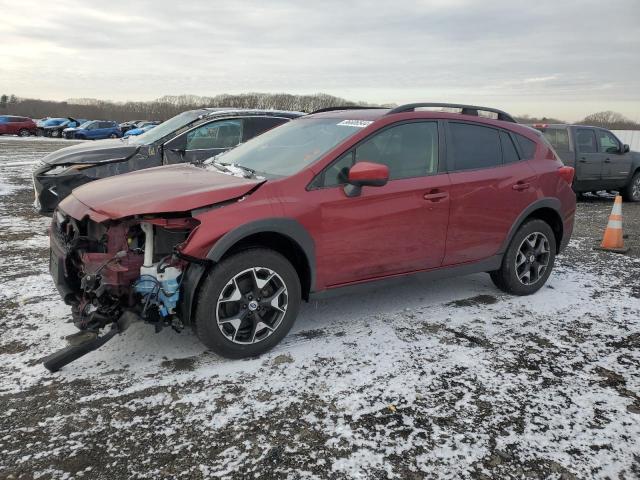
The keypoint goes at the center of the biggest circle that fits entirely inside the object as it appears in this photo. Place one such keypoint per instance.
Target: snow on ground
(449, 379)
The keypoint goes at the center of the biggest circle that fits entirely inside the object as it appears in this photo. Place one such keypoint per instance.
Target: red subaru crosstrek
(333, 199)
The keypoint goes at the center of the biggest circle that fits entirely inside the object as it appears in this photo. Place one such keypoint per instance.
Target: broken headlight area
(109, 269)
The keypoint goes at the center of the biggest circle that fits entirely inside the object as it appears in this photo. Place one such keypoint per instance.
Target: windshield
(166, 128)
(86, 124)
(289, 148)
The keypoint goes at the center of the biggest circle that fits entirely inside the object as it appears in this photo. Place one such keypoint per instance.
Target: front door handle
(608, 160)
(583, 160)
(521, 186)
(435, 196)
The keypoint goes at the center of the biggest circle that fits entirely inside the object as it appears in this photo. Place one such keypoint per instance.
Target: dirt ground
(449, 379)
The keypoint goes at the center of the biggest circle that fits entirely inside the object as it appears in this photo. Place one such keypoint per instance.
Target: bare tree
(610, 120)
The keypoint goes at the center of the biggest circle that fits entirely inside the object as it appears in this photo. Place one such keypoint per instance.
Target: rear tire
(248, 303)
(528, 261)
(631, 192)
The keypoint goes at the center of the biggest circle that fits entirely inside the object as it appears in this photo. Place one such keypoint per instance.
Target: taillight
(567, 174)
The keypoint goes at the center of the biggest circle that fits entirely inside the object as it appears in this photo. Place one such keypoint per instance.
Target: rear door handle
(521, 186)
(608, 160)
(583, 160)
(435, 196)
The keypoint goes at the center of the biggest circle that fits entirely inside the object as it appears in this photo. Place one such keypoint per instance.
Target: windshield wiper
(250, 171)
(219, 166)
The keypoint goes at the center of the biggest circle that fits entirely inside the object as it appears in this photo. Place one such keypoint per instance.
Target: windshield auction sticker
(355, 123)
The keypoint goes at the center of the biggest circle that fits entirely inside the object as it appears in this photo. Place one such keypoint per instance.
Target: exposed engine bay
(106, 270)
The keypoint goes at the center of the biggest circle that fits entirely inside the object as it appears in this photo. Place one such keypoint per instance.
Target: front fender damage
(113, 272)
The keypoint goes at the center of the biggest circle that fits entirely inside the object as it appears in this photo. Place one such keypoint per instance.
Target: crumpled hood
(173, 188)
(92, 152)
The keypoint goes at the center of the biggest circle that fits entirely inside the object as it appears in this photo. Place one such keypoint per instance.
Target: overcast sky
(562, 58)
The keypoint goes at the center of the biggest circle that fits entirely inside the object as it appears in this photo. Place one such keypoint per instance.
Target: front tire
(528, 261)
(247, 303)
(23, 132)
(631, 192)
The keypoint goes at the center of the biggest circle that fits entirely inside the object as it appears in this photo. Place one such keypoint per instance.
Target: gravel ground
(450, 379)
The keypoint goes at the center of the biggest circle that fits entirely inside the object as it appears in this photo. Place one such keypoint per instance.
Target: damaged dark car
(189, 137)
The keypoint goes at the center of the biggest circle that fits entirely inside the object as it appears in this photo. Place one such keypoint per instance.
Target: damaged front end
(114, 272)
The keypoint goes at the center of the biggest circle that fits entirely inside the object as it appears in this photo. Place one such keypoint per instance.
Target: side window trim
(317, 183)
(514, 142)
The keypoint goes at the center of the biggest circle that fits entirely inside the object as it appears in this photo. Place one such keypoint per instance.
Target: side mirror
(625, 148)
(364, 174)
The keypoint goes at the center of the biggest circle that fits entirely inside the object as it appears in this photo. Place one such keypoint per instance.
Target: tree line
(163, 107)
(171, 105)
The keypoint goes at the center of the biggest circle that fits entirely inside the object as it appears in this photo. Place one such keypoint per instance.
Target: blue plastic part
(164, 294)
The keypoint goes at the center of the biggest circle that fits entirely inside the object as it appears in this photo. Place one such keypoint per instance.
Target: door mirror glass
(625, 148)
(366, 174)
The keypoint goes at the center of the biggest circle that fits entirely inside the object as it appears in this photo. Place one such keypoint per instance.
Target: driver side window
(409, 150)
(607, 142)
(217, 135)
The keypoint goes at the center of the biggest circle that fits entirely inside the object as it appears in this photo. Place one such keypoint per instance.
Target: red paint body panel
(174, 188)
(484, 206)
(384, 231)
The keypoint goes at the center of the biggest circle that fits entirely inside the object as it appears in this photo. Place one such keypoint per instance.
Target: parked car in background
(144, 127)
(53, 127)
(95, 130)
(191, 136)
(334, 199)
(601, 160)
(14, 125)
(126, 126)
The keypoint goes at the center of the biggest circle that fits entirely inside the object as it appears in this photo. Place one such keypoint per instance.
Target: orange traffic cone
(613, 241)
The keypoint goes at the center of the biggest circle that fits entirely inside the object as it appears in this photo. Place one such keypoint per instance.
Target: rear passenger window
(473, 146)
(527, 147)
(509, 152)
(586, 140)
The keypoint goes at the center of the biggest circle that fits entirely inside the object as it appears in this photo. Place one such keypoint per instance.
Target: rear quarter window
(527, 147)
(509, 152)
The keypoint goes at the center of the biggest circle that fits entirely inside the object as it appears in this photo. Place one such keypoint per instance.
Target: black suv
(191, 136)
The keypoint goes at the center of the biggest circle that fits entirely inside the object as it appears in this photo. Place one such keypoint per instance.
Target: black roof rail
(465, 109)
(349, 107)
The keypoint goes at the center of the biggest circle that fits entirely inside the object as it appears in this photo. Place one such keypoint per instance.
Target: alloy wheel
(532, 258)
(635, 189)
(251, 305)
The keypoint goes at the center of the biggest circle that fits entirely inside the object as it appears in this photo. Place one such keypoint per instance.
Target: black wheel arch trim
(287, 227)
(552, 203)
